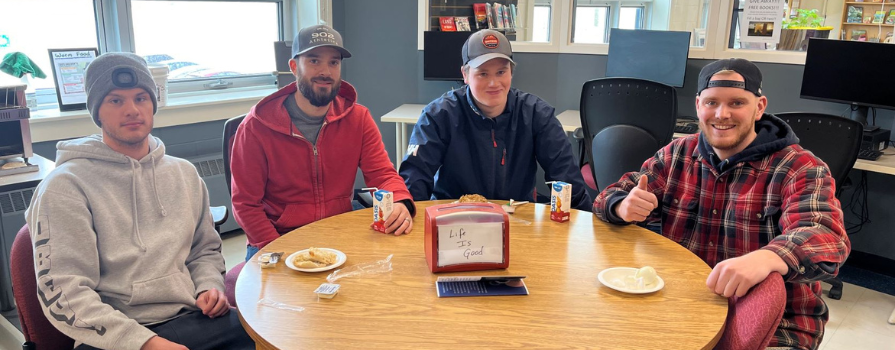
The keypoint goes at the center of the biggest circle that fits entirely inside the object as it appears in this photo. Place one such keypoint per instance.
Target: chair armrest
(219, 215)
(364, 198)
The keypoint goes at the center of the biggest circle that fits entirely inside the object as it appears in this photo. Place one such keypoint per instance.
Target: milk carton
(383, 204)
(560, 201)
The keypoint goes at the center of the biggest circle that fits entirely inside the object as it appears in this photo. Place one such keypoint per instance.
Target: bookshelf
(871, 31)
(462, 8)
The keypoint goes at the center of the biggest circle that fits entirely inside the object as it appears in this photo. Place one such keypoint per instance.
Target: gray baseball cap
(485, 45)
(312, 37)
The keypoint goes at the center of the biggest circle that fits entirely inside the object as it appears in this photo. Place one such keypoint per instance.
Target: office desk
(884, 165)
(572, 118)
(567, 306)
(15, 193)
(401, 116)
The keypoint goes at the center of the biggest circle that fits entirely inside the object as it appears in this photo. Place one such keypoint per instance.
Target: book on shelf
(855, 14)
(859, 35)
(490, 12)
(462, 24)
(447, 24)
(498, 15)
(481, 15)
(868, 19)
(878, 17)
(506, 16)
(513, 16)
(890, 19)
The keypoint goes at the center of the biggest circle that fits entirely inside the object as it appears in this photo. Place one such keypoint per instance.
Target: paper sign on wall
(761, 21)
(470, 243)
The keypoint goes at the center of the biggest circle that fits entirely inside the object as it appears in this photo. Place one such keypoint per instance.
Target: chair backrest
(230, 127)
(753, 319)
(835, 140)
(616, 114)
(35, 326)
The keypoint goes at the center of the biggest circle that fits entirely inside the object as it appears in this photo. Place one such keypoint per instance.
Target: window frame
(114, 32)
(718, 31)
(114, 20)
(574, 10)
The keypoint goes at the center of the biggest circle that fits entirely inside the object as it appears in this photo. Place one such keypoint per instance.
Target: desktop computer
(876, 140)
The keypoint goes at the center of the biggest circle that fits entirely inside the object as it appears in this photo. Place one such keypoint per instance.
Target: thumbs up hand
(637, 206)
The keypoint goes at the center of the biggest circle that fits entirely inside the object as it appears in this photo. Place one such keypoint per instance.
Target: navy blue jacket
(493, 157)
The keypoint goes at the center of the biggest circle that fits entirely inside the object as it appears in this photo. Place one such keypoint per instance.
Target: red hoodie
(281, 181)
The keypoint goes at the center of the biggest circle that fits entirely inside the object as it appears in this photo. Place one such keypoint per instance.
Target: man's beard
(319, 98)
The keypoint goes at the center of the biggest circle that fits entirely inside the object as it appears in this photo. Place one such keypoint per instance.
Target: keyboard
(869, 154)
(686, 126)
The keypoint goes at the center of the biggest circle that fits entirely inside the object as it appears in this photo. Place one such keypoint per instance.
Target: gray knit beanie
(116, 70)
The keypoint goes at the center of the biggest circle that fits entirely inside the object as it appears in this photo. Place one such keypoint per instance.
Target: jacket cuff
(210, 284)
(611, 203)
(792, 255)
(411, 207)
(134, 337)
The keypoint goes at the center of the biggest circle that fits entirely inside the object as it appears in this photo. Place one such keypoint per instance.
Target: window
(216, 54)
(207, 45)
(594, 18)
(541, 24)
(34, 40)
(582, 26)
(631, 17)
(826, 14)
(591, 25)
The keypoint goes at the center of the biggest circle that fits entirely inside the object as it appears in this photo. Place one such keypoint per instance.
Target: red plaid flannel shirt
(783, 202)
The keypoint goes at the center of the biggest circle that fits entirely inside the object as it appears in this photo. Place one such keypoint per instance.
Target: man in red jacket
(295, 155)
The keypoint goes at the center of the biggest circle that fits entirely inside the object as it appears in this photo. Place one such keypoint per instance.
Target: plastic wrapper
(269, 260)
(362, 269)
(279, 305)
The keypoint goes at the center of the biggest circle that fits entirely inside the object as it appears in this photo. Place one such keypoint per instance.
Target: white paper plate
(340, 259)
(619, 273)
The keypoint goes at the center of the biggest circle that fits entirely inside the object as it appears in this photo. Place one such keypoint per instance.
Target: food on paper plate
(473, 198)
(314, 258)
(648, 274)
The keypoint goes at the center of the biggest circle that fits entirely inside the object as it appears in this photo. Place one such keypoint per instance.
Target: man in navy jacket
(485, 137)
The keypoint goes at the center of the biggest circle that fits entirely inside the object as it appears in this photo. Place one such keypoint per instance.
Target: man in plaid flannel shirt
(744, 197)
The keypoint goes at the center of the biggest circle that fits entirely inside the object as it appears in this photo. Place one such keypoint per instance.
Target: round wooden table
(567, 306)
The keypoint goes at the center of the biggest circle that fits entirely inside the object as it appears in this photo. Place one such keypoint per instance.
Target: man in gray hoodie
(125, 250)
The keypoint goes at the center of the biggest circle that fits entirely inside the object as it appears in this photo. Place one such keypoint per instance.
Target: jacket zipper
(318, 213)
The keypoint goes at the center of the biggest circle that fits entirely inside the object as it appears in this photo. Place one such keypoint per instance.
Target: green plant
(804, 19)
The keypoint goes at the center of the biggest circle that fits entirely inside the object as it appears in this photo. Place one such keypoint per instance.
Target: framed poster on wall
(69, 66)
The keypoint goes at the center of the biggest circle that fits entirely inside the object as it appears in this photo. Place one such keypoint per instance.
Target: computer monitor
(282, 53)
(441, 55)
(656, 55)
(855, 72)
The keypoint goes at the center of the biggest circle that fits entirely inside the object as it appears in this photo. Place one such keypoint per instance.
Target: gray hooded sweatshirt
(121, 243)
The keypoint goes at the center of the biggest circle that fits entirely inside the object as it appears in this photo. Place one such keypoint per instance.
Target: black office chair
(230, 277)
(230, 127)
(836, 141)
(625, 121)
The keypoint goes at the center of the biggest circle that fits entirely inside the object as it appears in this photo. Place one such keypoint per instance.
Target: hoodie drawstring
(155, 188)
(137, 238)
